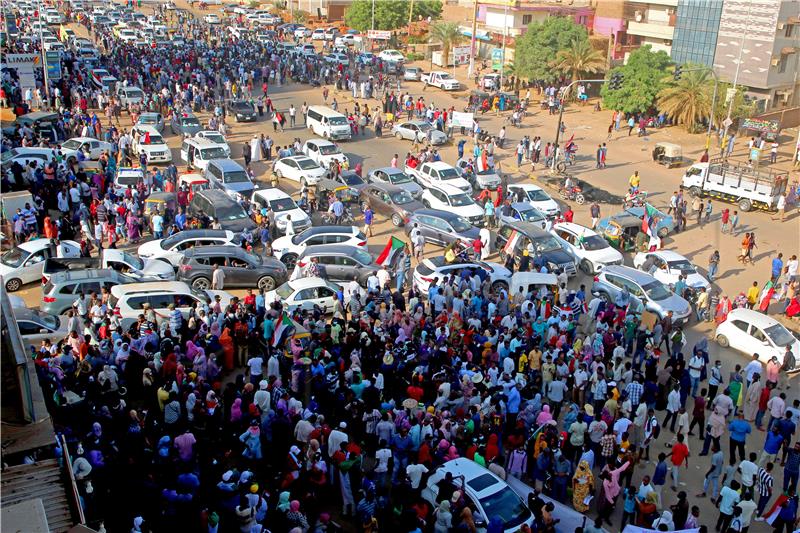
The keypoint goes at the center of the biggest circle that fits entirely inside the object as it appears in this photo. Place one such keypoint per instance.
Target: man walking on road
(217, 278)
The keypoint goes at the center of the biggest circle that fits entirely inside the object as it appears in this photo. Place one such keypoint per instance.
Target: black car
(241, 268)
(219, 206)
(242, 110)
(441, 227)
(546, 248)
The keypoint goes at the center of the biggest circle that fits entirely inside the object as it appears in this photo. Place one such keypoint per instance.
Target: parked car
(215, 137)
(487, 178)
(391, 55)
(35, 326)
(63, 288)
(130, 95)
(299, 168)
(441, 227)
(242, 110)
(522, 212)
(610, 283)
(111, 258)
(666, 266)
(323, 152)
(218, 205)
(126, 177)
(395, 176)
(241, 268)
(452, 199)
(436, 268)
(538, 198)
(128, 300)
(340, 262)
(25, 262)
(212, 18)
(306, 294)
(751, 332)
(413, 73)
(289, 248)
(418, 129)
(91, 147)
(154, 120)
(390, 201)
(590, 250)
(284, 207)
(436, 173)
(185, 124)
(171, 249)
(542, 247)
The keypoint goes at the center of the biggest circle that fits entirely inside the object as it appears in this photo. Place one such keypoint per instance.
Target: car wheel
(587, 267)
(201, 284)
(694, 192)
(722, 340)
(278, 174)
(266, 283)
(663, 232)
(289, 260)
(745, 205)
(606, 298)
(397, 220)
(13, 285)
(398, 136)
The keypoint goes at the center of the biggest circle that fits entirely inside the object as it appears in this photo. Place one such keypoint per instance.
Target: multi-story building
(329, 9)
(696, 29)
(494, 16)
(759, 47)
(651, 22)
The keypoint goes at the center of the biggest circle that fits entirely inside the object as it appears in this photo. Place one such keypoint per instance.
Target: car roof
(129, 171)
(668, 255)
(224, 164)
(439, 164)
(331, 249)
(446, 188)
(271, 193)
(636, 275)
(525, 186)
(203, 233)
(471, 470)
(148, 287)
(752, 317)
(215, 249)
(304, 283)
(575, 228)
(215, 195)
(84, 274)
(343, 230)
(527, 228)
(320, 142)
(390, 188)
(297, 158)
(439, 213)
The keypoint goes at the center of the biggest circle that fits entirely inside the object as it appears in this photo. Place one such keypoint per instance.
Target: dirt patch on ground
(591, 193)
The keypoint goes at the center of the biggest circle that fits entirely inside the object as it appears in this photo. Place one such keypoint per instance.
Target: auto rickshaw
(626, 235)
(194, 182)
(668, 154)
(163, 202)
(326, 187)
(476, 100)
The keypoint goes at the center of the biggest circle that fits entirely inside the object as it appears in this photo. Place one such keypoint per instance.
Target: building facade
(759, 47)
(696, 31)
(516, 15)
(651, 22)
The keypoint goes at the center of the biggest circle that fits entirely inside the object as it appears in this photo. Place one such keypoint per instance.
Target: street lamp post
(44, 57)
(738, 66)
(473, 42)
(564, 93)
(505, 34)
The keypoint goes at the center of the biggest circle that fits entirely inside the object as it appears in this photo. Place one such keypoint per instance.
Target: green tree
(389, 14)
(741, 108)
(580, 58)
(536, 49)
(644, 75)
(300, 17)
(448, 34)
(688, 100)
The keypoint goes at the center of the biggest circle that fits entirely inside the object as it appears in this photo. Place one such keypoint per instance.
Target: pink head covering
(294, 506)
(452, 453)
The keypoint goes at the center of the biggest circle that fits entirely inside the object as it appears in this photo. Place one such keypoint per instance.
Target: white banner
(461, 54)
(383, 35)
(464, 120)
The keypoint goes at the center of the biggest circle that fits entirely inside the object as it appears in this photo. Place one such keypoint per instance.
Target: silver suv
(64, 288)
(654, 295)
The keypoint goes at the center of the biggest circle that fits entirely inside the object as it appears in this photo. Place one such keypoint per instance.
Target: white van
(196, 152)
(328, 123)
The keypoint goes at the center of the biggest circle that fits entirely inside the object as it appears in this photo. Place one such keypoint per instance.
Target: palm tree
(579, 58)
(448, 34)
(687, 100)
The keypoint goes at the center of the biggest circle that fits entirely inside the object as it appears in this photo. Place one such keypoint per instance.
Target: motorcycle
(635, 198)
(573, 193)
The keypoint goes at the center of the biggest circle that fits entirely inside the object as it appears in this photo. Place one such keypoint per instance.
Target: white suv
(591, 251)
(152, 144)
(128, 300)
(171, 249)
(289, 248)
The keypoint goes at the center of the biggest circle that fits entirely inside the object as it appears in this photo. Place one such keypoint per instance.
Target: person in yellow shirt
(634, 181)
(752, 295)
(522, 363)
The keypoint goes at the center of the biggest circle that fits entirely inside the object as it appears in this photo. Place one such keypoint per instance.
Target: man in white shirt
(415, 473)
(753, 367)
(217, 278)
(696, 364)
(748, 470)
(383, 455)
(256, 364)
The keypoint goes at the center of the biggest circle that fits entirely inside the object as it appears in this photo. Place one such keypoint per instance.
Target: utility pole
(564, 93)
(373, 14)
(44, 58)
(410, 16)
(505, 34)
(473, 41)
(738, 66)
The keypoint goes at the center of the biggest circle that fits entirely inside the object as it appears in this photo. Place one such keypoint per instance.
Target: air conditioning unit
(670, 11)
(775, 62)
(638, 16)
(781, 25)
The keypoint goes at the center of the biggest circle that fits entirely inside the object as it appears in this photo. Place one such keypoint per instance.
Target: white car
(436, 268)
(299, 168)
(391, 55)
(347, 39)
(436, 173)
(449, 198)
(302, 32)
(152, 144)
(284, 207)
(52, 16)
(318, 34)
(337, 58)
(127, 35)
(126, 177)
(590, 250)
(217, 138)
(25, 155)
(212, 18)
(95, 148)
(527, 192)
(129, 299)
(666, 266)
(305, 293)
(130, 95)
(24, 263)
(171, 249)
(36, 326)
(752, 332)
(289, 248)
(323, 152)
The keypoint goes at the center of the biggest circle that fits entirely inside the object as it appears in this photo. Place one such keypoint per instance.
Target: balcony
(654, 31)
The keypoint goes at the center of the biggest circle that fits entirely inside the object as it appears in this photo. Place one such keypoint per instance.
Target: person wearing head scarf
(236, 411)
(444, 519)
(666, 520)
(545, 416)
(251, 439)
(647, 509)
(582, 486)
(295, 518)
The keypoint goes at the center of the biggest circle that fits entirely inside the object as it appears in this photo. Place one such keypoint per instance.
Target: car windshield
(424, 126)
(128, 179)
(132, 260)
(149, 119)
(460, 200)
(337, 121)
(307, 164)
(449, 174)
(282, 204)
(230, 212)
(329, 149)
(14, 257)
(460, 224)
(656, 291)
(284, 291)
(507, 506)
(362, 257)
(546, 244)
(486, 172)
(190, 121)
(594, 242)
(237, 176)
(242, 106)
(212, 153)
(682, 265)
(530, 215)
(134, 93)
(215, 137)
(169, 242)
(779, 335)
(200, 295)
(445, 76)
(46, 319)
(537, 196)
(401, 198)
(72, 144)
(399, 178)
(156, 139)
(352, 179)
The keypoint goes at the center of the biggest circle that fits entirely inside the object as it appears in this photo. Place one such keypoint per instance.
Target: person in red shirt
(568, 214)
(680, 456)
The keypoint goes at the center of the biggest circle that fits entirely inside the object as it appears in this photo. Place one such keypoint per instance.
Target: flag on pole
(775, 510)
(389, 252)
(283, 324)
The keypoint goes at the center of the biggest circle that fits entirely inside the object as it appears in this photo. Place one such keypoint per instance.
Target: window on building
(782, 65)
(526, 19)
(789, 30)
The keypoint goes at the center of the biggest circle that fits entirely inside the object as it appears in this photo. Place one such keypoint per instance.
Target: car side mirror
(43, 330)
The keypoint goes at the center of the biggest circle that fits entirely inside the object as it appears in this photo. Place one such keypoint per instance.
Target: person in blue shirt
(739, 429)
(659, 478)
(628, 506)
(777, 267)
(461, 144)
(772, 445)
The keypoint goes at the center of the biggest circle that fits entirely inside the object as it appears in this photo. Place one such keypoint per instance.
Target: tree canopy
(644, 77)
(540, 44)
(447, 33)
(389, 14)
(580, 58)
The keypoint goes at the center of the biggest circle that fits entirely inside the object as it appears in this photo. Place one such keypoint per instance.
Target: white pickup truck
(736, 183)
(437, 172)
(441, 79)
